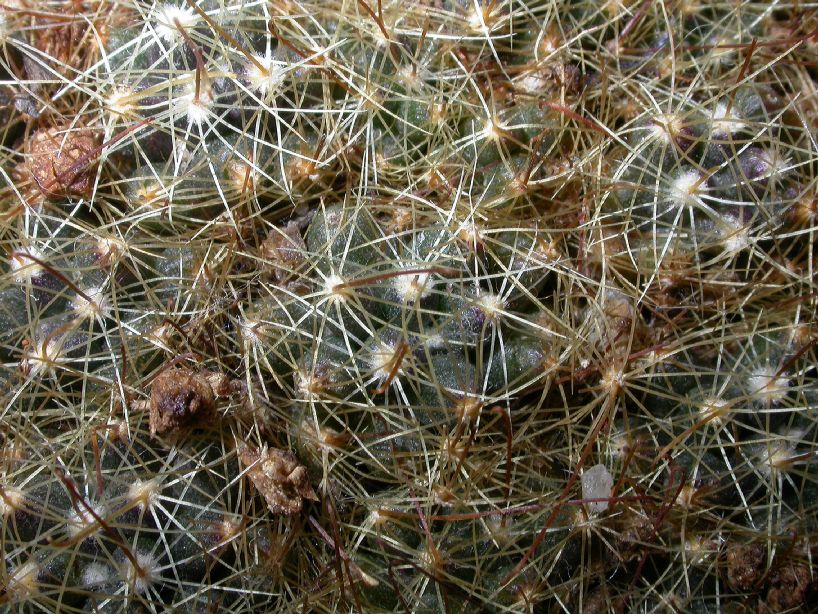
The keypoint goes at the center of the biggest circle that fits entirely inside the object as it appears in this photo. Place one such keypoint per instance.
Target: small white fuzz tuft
(686, 496)
(168, 18)
(382, 360)
(144, 493)
(435, 341)
(479, 17)
(665, 128)
(23, 268)
(713, 410)
(548, 45)
(50, 352)
(141, 576)
(725, 119)
(93, 304)
(160, 335)
(409, 76)
(532, 83)
(492, 130)
(412, 287)
(471, 234)
(95, 575)
(773, 165)
(700, 549)
(110, 250)
(195, 108)
(309, 385)
(685, 188)
(735, 236)
(763, 384)
(11, 500)
(612, 379)
(82, 520)
(265, 74)
(153, 195)
(250, 330)
(619, 444)
(378, 519)
(491, 305)
(121, 102)
(334, 288)
(776, 457)
(242, 175)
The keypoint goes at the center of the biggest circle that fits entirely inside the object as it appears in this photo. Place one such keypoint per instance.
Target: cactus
(380, 307)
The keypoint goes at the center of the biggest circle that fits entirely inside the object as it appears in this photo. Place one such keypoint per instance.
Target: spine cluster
(382, 307)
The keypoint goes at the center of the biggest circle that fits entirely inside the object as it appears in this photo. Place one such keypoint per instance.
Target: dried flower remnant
(180, 398)
(790, 586)
(62, 37)
(746, 567)
(279, 477)
(60, 161)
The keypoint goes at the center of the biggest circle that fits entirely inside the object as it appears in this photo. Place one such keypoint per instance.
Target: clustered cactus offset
(390, 307)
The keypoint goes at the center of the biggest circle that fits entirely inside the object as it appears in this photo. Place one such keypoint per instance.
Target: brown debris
(746, 566)
(63, 39)
(62, 162)
(636, 534)
(789, 587)
(278, 476)
(180, 398)
(221, 385)
(215, 534)
(596, 600)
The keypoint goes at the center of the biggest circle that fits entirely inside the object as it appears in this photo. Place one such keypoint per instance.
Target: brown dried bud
(746, 566)
(62, 161)
(180, 398)
(63, 38)
(790, 586)
(279, 477)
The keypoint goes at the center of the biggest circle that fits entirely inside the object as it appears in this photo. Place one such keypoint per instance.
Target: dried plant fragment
(61, 37)
(746, 567)
(61, 161)
(790, 586)
(285, 249)
(180, 398)
(7, 105)
(636, 534)
(279, 477)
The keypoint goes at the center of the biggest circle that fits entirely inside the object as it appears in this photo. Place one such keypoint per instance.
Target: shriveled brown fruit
(746, 566)
(279, 477)
(64, 39)
(790, 585)
(180, 398)
(61, 161)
